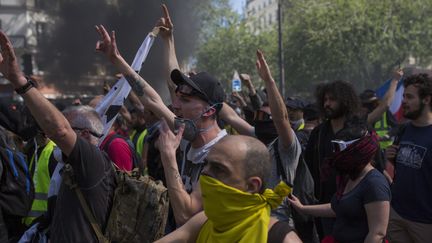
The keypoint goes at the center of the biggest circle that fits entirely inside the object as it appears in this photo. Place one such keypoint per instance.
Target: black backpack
(136, 161)
(16, 187)
(303, 188)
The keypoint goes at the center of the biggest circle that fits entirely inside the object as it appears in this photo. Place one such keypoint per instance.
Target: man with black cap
(198, 99)
(295, 112)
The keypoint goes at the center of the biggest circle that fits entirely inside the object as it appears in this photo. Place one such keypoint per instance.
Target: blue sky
(238, 5)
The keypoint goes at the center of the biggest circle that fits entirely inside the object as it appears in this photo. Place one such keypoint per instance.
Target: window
(270, 19)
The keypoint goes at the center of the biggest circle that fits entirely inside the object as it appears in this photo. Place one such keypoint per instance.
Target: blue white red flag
(396, 105)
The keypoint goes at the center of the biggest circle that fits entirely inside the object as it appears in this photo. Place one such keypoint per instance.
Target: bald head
(248, 153)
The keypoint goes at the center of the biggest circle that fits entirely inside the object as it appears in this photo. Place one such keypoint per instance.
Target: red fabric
(328, 239)
(351, 161)
(119, 152)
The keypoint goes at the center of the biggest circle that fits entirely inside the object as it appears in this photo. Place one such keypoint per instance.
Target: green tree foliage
(233, 48)
(228, 45)
(356, 40)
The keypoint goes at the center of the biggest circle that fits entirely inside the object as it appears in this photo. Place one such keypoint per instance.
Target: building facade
(24, 21)
(261, 15)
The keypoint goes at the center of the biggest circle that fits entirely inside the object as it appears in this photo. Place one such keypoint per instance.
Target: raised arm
(228, 115)
(169, 56)
(147, 95)
(184, 205)
(254, 97)
(385, 103)
(277, 106)
(51, 120)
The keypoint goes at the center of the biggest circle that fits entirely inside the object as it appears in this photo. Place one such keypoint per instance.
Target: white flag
(111, 104)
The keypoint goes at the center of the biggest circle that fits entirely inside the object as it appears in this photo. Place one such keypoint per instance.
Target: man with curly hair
(411, 211)
(337, 102)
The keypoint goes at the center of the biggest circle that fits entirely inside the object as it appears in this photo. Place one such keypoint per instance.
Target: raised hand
(165, 24)
(398, 74)
(167, 140)
(8, 61)
(262, 67)
(236, 95)
(245, 77)
(108, 44)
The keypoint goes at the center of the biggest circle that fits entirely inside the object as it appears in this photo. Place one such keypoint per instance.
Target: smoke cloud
(67, 53)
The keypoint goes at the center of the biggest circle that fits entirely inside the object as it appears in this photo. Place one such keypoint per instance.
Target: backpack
(136, 161)
(303, 187)
(139, 211)
(16, 187)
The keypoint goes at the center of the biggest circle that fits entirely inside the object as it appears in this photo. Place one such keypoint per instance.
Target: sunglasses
(187, 90)
(341, 145)
(91, 132)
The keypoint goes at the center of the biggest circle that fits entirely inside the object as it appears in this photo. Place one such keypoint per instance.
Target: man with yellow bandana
(236, 204)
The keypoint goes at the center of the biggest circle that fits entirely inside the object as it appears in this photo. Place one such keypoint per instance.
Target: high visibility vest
(301, 127)
(138, 143)
(382, 129)
(41, 180)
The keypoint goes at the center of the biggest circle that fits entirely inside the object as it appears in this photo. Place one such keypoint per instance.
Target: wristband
(23, 89)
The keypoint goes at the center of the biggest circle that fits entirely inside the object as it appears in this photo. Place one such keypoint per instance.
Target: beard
(330, 113)
(413, 115)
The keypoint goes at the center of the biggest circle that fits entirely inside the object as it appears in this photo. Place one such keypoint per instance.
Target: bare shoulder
(290, 237)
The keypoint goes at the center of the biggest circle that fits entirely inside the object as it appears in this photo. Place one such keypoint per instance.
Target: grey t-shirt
(95, 177)
(289, 159)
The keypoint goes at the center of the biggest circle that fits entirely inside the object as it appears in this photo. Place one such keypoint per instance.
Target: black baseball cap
(294, 103)
(208, 87)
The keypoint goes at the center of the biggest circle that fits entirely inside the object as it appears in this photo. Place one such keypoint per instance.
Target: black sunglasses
(187, 90)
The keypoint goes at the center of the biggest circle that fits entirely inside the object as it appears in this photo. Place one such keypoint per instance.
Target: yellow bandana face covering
(237, 216)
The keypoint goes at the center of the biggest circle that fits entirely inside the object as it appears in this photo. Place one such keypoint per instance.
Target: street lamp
(281, 57)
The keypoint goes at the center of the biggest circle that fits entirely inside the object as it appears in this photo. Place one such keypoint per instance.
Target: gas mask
(191, 130)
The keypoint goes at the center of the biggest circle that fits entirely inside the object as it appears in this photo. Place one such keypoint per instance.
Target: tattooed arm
(184, 205)
(147, 95)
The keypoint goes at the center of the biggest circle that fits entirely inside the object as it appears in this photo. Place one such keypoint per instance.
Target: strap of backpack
(280, 169)
(107, 144)
(68, 180)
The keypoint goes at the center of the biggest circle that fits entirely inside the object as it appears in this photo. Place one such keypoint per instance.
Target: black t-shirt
(96, 179)
(351, 220)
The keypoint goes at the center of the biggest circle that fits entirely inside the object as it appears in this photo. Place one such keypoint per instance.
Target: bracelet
(23, 89)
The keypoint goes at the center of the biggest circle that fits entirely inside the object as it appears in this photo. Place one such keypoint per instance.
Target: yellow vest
(41, 180)
(140, 141)
(382, 129)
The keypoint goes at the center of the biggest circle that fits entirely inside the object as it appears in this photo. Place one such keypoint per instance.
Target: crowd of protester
(249, 167)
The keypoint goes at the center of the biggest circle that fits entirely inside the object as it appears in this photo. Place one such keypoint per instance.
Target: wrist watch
(23, 89)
